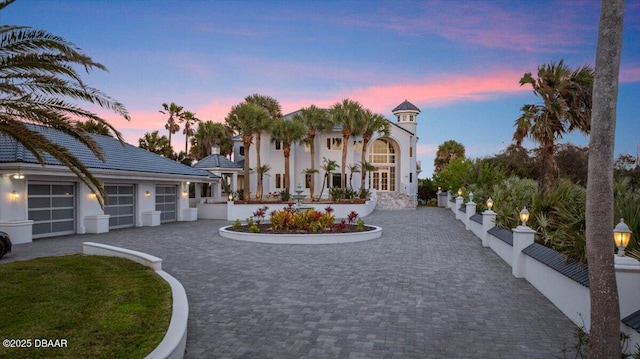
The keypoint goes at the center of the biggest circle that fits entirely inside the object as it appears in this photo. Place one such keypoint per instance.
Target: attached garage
(120, 205)
(167, 202)
(51, 207)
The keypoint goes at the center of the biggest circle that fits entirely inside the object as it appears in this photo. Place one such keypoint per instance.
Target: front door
(380, 179)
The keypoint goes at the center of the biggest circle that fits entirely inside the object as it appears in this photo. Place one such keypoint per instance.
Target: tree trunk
(286, 151)
(363, 158)
(258, 164)
(549, 170)
(245, 181)
(345, 148)
(604, 341)
(312, 153)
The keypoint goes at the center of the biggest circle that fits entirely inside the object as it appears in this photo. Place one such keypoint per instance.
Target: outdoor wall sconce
(18, 176)
(460, 192)
(15, 195)
(147, 194)
(621, 235)
(524, 216)
(185, 193)
(470, 196)
(489, 203)
(93, 195)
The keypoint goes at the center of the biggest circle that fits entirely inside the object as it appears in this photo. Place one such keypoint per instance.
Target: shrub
(237, 224)
(254, 228)
(285, 195)
(364, 193)
(360, 226)
(336, 193)
(309, 220)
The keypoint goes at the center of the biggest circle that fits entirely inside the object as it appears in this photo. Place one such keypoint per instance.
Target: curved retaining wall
(174, 342)
(311, 238)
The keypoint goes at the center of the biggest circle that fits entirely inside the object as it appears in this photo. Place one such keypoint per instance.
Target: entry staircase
(395, 201)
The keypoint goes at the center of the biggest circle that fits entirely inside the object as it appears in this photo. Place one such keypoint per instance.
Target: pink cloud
(489, 24)
(630, 74)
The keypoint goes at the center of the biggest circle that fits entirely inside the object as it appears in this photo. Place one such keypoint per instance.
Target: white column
(628, 280)
(523, 237)
(488, 222)
(456, 208)
(471, 210)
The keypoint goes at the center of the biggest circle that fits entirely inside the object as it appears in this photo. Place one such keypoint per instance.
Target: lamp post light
(460, 192)
(524, 216)
(230, 197)
(621, 236)
(470, 196)
(489, 203)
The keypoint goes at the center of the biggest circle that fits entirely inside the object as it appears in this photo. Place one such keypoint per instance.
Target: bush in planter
(364, 193)
(285, 195)
(336, 193)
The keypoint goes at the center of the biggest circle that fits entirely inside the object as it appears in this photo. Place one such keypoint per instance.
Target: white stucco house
(144, 189)
(396, 176)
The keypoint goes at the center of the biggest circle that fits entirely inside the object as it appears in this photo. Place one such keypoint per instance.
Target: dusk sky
(458, 61)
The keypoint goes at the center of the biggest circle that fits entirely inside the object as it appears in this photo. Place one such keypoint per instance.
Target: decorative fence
(563, 281)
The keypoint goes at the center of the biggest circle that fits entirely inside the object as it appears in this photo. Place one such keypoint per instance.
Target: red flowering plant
(351, 217)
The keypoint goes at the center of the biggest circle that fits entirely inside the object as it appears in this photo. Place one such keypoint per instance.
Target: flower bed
(307, 226)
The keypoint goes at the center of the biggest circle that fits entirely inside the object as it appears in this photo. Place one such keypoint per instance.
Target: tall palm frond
(40, 85)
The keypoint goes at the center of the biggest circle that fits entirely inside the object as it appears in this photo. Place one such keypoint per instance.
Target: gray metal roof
(577, 271)
(216, 161)
(118, 157)
(406, 106)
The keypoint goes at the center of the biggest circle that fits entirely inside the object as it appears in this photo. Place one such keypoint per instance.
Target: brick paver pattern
(425, 289)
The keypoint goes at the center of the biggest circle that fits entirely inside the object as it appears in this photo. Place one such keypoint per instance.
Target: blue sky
(458, 61)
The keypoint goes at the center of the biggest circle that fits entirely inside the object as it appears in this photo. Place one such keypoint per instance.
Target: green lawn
(103, 307)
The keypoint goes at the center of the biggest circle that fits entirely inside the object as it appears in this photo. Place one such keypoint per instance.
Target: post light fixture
(460, 192)
(147, 194)
(439, 189)
(489, 203)
(524, 216)
(621, 236)
(230, 197)
(470, 196)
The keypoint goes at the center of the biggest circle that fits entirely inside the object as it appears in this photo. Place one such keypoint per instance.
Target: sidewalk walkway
(425, 289)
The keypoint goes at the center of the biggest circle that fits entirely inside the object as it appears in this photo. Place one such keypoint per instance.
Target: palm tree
(189, 119)
(375, 123)
(289, 132)
(261, 171)
(447, 152)
(208, 135)
(316, 119)
(153, 142)
(604, 339)
(354, 168)
(175, 114)
(91, 126)
(39, 84)
(244, 118)
(328, 166)
(367, 167)
(350, 115)
(566, 106)
(272, 106)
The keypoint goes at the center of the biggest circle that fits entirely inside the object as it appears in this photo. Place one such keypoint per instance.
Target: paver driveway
(425, 289)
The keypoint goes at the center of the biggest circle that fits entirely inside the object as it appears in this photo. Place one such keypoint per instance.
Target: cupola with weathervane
(406, 114)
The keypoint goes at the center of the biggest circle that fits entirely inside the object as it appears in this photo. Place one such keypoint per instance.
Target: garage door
(166, 203)
(120, 205)
(51, 207)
